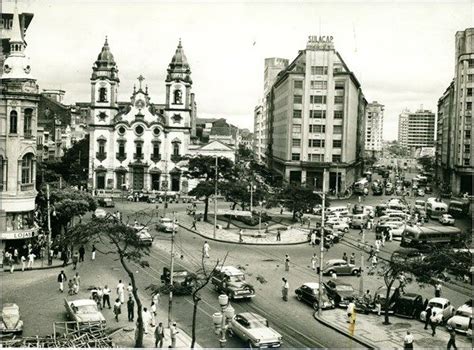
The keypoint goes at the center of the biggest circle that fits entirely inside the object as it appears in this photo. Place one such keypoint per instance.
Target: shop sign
(17, 235)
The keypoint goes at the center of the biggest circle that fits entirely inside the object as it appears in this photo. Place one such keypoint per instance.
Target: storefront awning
(18, 234)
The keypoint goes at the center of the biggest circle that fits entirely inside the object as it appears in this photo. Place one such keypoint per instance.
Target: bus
(426, 236)
(458, 208)
(361, 185)
(434, 208)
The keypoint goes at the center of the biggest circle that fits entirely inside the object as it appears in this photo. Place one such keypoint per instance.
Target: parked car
(99, 213)
(83, 310)
(309, 293)
(166, 225)
(382, 293)
(443, 308)
(446, 219)
(409, 305)
(340, 267)
(341, 293)
(420, 192)
(463, 318)
(183, 280)
(359, 220)
(339, 226)
(143, 235)
(255, 330)
(106, 202)
(231, 281)
(10, 321)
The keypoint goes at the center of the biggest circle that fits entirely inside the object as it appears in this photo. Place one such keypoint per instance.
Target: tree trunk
(139, 332)
(387, 302)
(195, 308)
(206, 207)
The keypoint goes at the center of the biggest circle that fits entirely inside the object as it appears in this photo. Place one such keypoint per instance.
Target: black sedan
(309, 293)
(341, 293)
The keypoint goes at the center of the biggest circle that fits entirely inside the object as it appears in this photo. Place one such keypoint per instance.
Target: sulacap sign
(320, 38)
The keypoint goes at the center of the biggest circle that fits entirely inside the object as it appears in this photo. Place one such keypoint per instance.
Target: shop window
(19, 221)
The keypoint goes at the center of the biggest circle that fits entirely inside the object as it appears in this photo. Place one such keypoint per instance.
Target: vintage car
(443, 308)
(408, 305)
(340, 267)
(339, 226)
(446, 219)
(143, 235)
(309, 293)
(463, 318)
(99, 213)
(231, 281)
(166, 225)
(255, 331)
(381, 292)
(420, 192)
(341, 293)
(83, 311)
(106, 202)
(10, 321)
(183, 280)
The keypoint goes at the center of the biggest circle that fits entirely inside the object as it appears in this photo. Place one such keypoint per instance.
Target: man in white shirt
(31, 260)
(350, 311)
(121, 291)
(408, 341)
(206, 249)
(146, 318)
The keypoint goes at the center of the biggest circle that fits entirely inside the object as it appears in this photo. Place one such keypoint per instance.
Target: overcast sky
(402, 52)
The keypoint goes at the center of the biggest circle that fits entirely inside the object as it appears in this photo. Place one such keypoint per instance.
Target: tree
(427, 162)
(299, 199)
(244, 153)
(117, 239)
(204, 169)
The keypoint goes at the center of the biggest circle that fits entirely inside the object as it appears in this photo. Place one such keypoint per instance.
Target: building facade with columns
(18, 118)
(139, 145)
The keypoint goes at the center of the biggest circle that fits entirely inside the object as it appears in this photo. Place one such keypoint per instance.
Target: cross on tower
(140, 79)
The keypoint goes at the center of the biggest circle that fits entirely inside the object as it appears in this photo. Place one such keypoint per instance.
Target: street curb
(365, 343)
(240, 243)
(7, 269)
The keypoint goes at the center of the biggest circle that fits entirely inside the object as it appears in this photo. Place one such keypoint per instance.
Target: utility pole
(50, 262)
(321, 249)
(170, 300)
(215, 200)
(361, 280)
(251, 197)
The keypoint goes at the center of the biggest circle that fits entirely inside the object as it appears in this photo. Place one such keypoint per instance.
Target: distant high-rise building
(314, 113)
(416, 129)
(374, 129)
(454, 156)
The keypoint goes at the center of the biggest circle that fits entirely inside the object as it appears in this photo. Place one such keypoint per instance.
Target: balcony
(27, 187)
(100, 156)
(138, 156)
(155, 157)
(121, 156)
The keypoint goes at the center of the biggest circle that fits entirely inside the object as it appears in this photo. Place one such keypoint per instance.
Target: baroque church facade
(138, 145)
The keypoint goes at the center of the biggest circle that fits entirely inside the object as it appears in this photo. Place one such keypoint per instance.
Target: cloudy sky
(402, 52)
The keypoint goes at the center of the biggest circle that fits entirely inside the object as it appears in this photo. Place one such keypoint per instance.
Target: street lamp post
(222, 319)
(260, 218)
(50, 258)
(215, 200)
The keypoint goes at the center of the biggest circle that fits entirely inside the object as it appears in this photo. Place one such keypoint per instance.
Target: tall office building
(416, 129)
(315, 114)
(454, 156)
(374, 129)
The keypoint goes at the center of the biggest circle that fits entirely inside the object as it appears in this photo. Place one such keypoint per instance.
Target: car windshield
(237, 278)
(464, 313)
(344, 288)
(438, 305)
(258, 323)
(86, 309)
(166, 221)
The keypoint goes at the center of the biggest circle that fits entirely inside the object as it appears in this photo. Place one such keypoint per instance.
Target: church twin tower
(137, 145)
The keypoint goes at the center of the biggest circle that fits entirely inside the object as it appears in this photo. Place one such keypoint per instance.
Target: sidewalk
(125, 338)
(370, 330)
(294, 234)
(37, 265)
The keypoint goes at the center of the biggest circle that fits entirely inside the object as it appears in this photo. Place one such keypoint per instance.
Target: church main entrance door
(138, 178)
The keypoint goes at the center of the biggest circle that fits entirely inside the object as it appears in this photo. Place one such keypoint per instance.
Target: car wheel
(346, 229)
(330, 272)
(250, 345)
(355, 272)
(299, 297)
(315, 306)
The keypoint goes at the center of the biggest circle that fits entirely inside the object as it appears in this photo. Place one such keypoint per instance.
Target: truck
(231, 281)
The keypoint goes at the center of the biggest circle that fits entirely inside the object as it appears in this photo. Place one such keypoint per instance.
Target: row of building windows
(27, 122)
(27, 172)
(317, 99)
(317, 114)
(318, 85)
(336, 158)
(138, 149)
(318, 143)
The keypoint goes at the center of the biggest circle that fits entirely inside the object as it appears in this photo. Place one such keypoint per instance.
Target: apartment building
(374, 129)
(416, 129)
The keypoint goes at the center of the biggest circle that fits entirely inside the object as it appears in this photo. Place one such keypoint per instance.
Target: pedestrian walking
(9, 261)
(31, 260)
(70, 286)
(75, 260)
(367, 297)
(437, 290)
(361, 230)
(77, 283)
(106, 296)
(278, 236)
(383, 240)
(434, 323)
(312, 239)
(287, 262)
(93, 253)
(240, 236)
(352, 259)
(193, 226)
(408, 341)
(130, 289)
(82, 252)
(285, 289)
(130, 309)
(314, 262)
(23, 263)
(15, 255)
(173, 333)
(428, 316)
(61, 279)
(350, 311)
(159, 335)
(378, 305)
(344, 257)
(377, 245)
(146, 320)
(121, 291)
(156, 299)
(334, 275)
(371, 253)
(266, 227)
(205, 249)
(374, 261)
(117, 306)
(452, 338)
(153, 314)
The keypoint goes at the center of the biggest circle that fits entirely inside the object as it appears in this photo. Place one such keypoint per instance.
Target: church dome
(105, 55)
(179, 69)
(179, 58)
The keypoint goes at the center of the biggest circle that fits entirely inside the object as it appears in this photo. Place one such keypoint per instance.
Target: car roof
(251, 316)
(82, 302)
(231, 270)
(439, 300)
(312, 285)
(165, 219)
(340, 283)
(333, 261)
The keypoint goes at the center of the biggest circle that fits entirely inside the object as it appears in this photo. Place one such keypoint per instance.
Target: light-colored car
(446, 219)
(166, 225)
(143, 234)
(443, 308)
(83, 310)
(255, 330)
(462, 320)
(10, 321)
(339, 226)
(99, 213)
(340, 267)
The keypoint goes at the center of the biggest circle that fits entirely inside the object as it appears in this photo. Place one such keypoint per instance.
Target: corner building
(138, 145)
(18, 119)
(316, 113)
